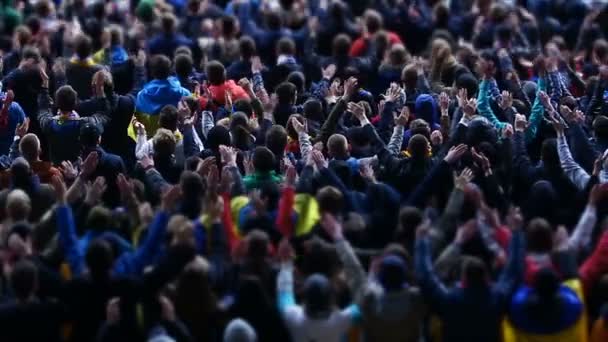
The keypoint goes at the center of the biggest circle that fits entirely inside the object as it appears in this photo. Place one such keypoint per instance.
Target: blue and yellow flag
(152, 98)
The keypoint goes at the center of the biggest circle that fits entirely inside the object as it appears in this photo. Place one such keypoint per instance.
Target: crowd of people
(314, 171)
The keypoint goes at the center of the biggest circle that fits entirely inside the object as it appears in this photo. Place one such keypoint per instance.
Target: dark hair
(168, 117)
(89, 135)
(313, 109)
(263, 159)
(216, 73)
(24, 279)
(228, 25)
(160, 67)
(341, 45)
(286, 46)
(330, 200)
(549, 154)
(286, 93)
(168, 22)
(276, 139)
(243, 105)
(99, 258)
(193, 190)
(66, 98)
(600, 127)
(539, 236)
(83, 46)
(274, 21)
(247, 47)
(373, 21)
(183, 65)
(31, 52)
(298, 79)
(418, 146)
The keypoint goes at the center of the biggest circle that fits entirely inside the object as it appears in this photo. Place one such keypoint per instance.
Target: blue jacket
(128, 263)
(470, 313)
(16, 116)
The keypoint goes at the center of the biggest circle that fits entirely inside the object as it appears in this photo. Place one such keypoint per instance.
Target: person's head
(392, 273)
(99, 259)
(263, 159)
(600, 50)
(160, 67)
(183, 50)
(29, 146)
(108, 82)
(168, 118)
(286, 93)
(183, 65)
(298, 79)
(600, 127)
(317, 297)
(398, 55)
(18, 205)
(164, 143)
(274, 22)
(539, 236)
(409, 219)
(239, 330)
(286, 46)
(168, 23)
(474, 272)
(192, 185)
(373, 21)
(229, 26)
(24, 280)
(276, 139)
(216, 73)
(337, 146)
(66, 99)
(330, 200)
(341, 45)
(409, 76)
(194, 300)
(83, 46)
(313, 110)
(90, 136)
(116, 35)
(22, 36)
(418, 146)
(488, 63)
(247, 47)
(440, 51)
(99, 219)
(469, 82)
(243, 106)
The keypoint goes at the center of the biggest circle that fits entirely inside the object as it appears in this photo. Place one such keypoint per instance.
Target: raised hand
(298, 126)
(227, 180)
(367, 172)
(68, 170)
(462, 97)
(521, 123)
(515, 219)
(350, 87)
(470, 108)
(95, 191)
(358, 111)
(204, 166)
(506, 100)
(444, 103)
(461, 181)
(246, 84)
(256, 65)
(60, 189)
(89, 165)
(436, 138)
(455, 153)
(404, 117)
(466, 232)
(140, 59)
(481, 160)
(392, 93)
(319, 159)
(22, 129)
(170, 198)
(228, 155)
(329, 71)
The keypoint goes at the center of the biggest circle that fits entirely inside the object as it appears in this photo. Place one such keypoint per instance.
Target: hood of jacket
(158, 93)
(426, 108)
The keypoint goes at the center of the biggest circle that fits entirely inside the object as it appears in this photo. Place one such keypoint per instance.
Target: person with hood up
(161, 91)
(426, 109)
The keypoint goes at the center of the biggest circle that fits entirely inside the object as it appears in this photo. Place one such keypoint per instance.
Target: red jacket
(218, 92)
(360, 44)
(596, 265)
